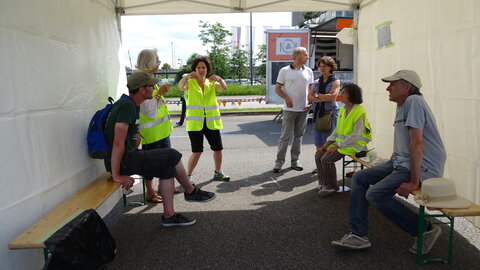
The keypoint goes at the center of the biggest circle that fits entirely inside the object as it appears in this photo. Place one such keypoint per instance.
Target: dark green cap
(139, 79)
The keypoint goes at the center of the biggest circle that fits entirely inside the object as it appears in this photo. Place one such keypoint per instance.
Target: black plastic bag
(83, 243)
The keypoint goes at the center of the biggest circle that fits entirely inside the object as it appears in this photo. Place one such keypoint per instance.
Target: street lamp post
(173, 57)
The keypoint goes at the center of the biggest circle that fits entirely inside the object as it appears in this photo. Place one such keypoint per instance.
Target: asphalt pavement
(263, 220)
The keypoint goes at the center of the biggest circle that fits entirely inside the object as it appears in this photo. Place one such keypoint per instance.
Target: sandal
(155, 198)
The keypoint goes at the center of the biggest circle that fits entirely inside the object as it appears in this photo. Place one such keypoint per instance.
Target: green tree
(308, 16)
(216, 35)
(166, 66)
(261, 56)
(191, 58)
(238, 64)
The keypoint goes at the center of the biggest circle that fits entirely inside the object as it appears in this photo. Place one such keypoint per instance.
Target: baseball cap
(407, 75)
(139, 79)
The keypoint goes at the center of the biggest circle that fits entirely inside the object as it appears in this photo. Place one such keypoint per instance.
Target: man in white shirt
(293, 83)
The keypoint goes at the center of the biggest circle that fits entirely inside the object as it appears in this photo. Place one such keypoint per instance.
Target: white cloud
(180, 32)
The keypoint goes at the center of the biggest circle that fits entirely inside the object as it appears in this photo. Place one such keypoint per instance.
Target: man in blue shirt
(418, 154)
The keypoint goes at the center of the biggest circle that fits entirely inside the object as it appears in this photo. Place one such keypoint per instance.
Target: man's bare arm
(118, 149)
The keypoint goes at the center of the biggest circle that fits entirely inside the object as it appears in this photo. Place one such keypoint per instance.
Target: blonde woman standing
(155, 124)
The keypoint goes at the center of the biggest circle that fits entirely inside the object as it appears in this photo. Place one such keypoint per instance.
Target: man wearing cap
(125, 160)
(418, 154)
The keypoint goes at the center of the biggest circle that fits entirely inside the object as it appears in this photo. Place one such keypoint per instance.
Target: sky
(176, 36)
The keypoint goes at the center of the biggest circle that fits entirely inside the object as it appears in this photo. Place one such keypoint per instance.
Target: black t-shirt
(124, 111)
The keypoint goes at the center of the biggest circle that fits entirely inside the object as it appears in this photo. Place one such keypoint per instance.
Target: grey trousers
(293, 122)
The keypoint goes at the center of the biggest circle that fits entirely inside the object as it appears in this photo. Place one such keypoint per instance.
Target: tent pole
(119, 11)
(356, 11)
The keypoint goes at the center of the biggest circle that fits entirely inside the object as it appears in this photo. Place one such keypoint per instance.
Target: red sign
(344, 23)
(281, 45)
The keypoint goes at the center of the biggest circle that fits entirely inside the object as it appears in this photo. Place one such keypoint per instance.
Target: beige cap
(441, 193)
(139, 79)
(407, 75)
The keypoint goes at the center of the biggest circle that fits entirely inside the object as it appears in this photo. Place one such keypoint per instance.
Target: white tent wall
(440, 40)
(59, 63)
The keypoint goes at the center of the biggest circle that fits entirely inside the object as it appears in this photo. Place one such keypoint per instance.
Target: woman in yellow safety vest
(350, 137)
(155, 125)
(203, 115)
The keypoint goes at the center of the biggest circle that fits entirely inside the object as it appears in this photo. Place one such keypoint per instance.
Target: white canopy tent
(60, 59)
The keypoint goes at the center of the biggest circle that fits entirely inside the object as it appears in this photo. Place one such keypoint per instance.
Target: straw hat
(441, 193)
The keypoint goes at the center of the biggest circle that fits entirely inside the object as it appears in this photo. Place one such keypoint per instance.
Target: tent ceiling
(152, 7)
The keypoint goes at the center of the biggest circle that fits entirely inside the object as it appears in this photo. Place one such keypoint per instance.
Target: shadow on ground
(288, 234)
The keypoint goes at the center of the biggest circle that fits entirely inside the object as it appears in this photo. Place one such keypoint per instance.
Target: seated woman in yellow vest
(203, 115)
(351, 136)
(155, 125)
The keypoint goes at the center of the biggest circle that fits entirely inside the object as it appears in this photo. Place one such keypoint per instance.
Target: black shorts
(213, 138)
(151, 163)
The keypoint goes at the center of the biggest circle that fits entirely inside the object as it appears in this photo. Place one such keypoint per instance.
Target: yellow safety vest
(201, 106)
(345, 127)
(154, 130)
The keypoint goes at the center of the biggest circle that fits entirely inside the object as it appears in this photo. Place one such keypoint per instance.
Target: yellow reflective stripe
(360, 148)
(213, 118)
(156, 122)
(195, 118)
(361, 139)
(212, 107)
(195, 107)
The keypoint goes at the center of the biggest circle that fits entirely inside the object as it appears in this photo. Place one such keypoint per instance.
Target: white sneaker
(352, 241)
(319, 187)
(429, 239)
(325, 191)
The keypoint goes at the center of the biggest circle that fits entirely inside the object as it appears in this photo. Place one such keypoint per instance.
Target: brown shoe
(154, 198)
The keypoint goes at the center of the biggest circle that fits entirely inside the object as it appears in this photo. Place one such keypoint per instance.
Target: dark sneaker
(429, 239)
(297, 166)
(277, 168)
(199, 195)
(177, 220)
(219, 176)
(352, 241)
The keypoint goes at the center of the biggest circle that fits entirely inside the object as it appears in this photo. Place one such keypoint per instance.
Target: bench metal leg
(140, 203)
(45, 253)
(421, 230)
(278, 117)
(345, 163)
(422, 216)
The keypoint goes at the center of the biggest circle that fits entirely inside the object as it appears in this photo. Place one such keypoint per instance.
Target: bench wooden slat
(361, 161)
(473, 210)
(90, 197)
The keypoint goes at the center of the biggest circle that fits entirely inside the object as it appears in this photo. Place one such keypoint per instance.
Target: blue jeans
(376, 186)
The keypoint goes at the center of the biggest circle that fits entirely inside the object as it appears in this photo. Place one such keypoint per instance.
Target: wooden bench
(90, 197)
(353, 159)
(448, 213)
